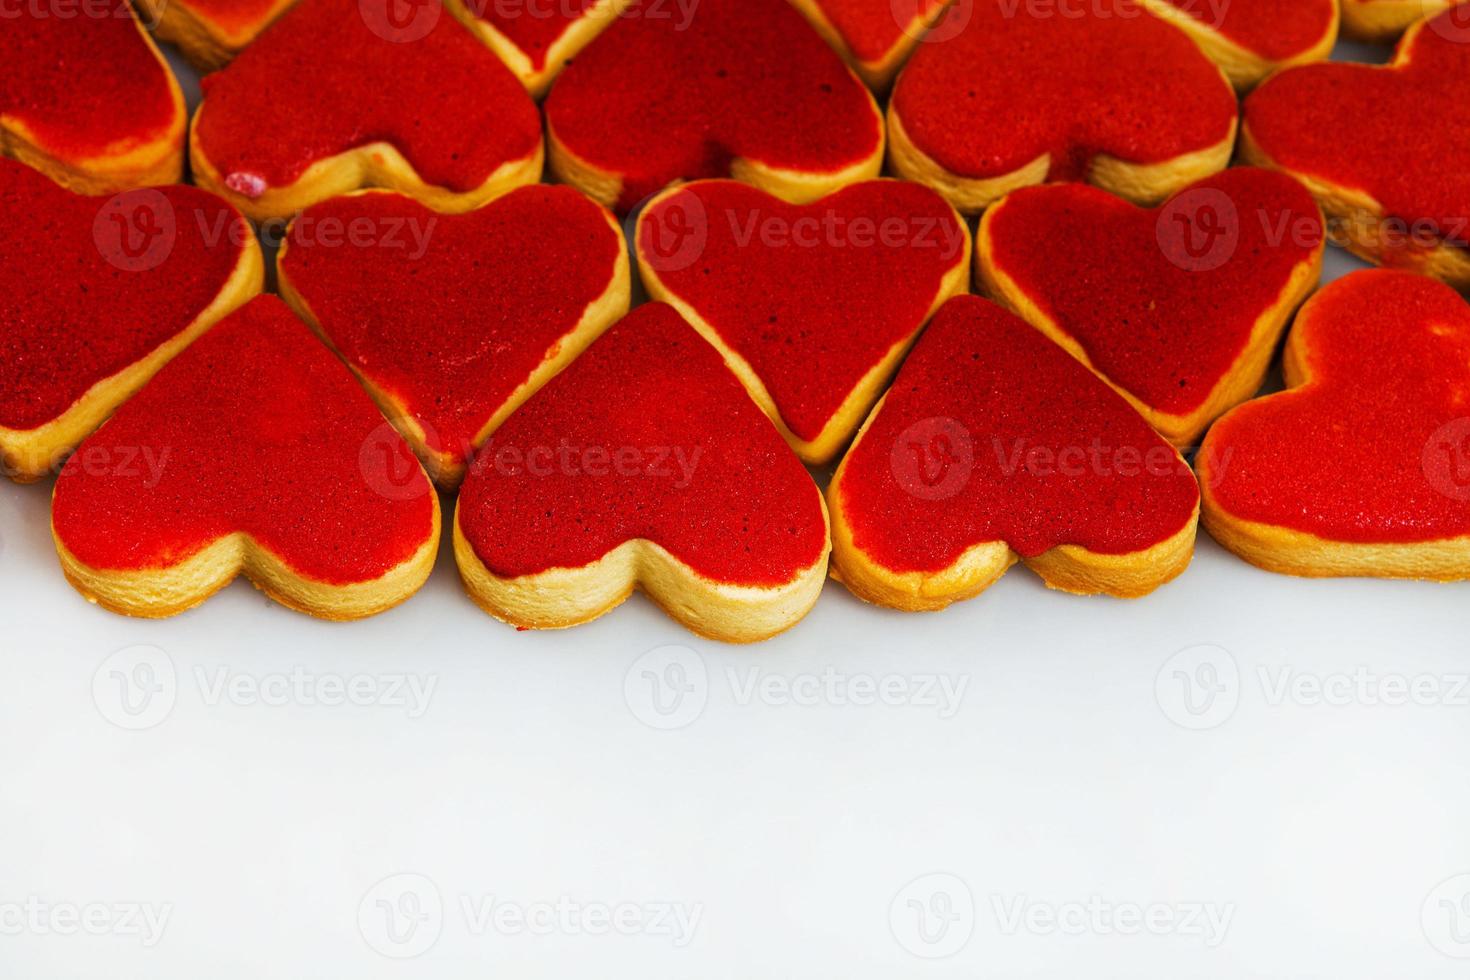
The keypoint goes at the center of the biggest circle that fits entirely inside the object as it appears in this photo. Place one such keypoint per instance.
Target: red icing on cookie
(449, 314)
(993, 433)
(79, 304)
(1014, 85)
(234, 16)
(1401, 134)
(82, 86)
(679, 455)
(1372, 448)
(1162, 300)
(533, 26)
(873, 28)
(813, 297)
(322, 81)
(256, 428)
(654, 100)
(1274, 29)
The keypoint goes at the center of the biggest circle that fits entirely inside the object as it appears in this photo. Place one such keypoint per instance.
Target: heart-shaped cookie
(1249, 39)
(1383, 149)
(415, 105)
(88, 100)
(211, 32)
(743, 88)
(96, 295)
(643, 464)
(452, 321)
(1178, 307)
(538, 38)
(875, 36)
(1384, 20)
(812, 306)
(1361, 467)
(1015, 95)
(994, 445)
(253, 452)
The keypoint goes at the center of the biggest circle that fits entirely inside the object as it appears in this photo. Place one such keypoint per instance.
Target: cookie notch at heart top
(1396, 187)
(1178, 307)
(993, 446)
(812, 306)
(537, 44)
(643, 465)
(454, 322)
(745, 89)
(1249, 39)
(254, 452)
(1362, 466)
(874, 36)
(89, 101)
(371, 111)
(1012, 97)
(96, 295)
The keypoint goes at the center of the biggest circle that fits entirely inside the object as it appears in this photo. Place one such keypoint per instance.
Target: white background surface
(1034, 755)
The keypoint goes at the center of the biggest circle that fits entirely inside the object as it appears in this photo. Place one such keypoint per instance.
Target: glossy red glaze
(645, 436)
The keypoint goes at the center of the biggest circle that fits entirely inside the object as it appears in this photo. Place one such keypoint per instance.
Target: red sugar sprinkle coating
(1373, 448)
(1162, 321)
(812, 297)
(1274, 29)
(71, 316)
(256, 428)
(1402, 135)
(654, 99)
(646, 436)
(321, 81)
(993, 433)
(450, 314)
(82, 86)
(1014, 85)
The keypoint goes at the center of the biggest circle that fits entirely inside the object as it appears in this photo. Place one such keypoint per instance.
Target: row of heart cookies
(1005, 94)
(650, 459)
